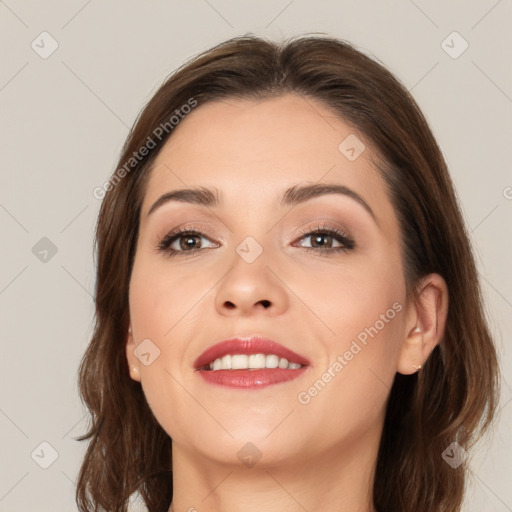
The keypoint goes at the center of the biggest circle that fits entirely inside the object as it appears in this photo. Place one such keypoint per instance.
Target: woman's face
(256, 269)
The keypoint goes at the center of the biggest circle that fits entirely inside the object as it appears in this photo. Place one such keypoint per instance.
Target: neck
(339, 480)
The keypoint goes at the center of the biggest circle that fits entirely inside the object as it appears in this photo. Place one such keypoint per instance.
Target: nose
(264, 303)
(251, 288)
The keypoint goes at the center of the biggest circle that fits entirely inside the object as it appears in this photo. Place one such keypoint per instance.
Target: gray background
(64, 119)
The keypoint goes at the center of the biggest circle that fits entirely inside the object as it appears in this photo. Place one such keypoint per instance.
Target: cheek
(358, 295)
(162, 301)
(365, 311)
(347, 396)
(162, 311)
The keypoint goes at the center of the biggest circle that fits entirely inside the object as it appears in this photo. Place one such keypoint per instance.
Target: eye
(323, 239)
(182, 240)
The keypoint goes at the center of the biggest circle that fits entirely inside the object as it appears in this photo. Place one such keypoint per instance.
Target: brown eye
(324, 239)
(181, 241)
(188, 242)
(318, 240)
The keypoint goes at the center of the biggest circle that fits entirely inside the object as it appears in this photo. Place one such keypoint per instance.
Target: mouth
(249, 363)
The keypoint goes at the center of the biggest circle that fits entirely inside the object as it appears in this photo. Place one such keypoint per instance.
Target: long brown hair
(452, 399)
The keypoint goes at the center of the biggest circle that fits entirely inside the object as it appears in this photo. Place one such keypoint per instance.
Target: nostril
(265, 303)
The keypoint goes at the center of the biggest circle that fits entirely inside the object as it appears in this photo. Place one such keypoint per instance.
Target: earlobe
(426, 324)
(133, 362)
(412, 353)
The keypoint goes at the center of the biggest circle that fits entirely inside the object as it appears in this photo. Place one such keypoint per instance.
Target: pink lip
(249, 379)
(254, 345)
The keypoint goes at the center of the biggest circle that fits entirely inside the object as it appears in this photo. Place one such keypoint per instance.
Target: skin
(315, 456)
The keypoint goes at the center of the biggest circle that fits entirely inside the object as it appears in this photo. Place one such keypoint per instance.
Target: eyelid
(189, 226)
(323, 224)
(300, 231)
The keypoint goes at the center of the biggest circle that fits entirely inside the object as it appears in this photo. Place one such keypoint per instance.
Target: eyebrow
(295, 195)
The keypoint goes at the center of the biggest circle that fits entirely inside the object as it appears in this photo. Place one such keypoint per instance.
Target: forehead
(251, 150)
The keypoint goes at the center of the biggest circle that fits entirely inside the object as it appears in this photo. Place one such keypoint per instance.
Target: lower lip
(250, 379)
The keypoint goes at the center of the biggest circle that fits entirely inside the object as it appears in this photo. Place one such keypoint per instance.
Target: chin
(249, 445)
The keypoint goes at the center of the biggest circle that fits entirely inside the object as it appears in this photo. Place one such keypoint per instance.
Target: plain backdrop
(73, 77)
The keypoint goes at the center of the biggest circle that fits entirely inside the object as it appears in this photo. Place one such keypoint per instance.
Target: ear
(425, 324)
(133, 362)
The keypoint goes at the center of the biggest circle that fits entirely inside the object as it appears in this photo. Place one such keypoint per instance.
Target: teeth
(238, 362)
(256, 361)
(226, 363)
(253, 361)
(272, 361)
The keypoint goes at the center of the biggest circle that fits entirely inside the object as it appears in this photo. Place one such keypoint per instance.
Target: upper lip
(247, 345)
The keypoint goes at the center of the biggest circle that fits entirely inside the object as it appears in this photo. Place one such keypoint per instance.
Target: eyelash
(348, 243)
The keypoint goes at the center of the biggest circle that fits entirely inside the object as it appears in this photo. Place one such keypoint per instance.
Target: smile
(252, 362)
(249, 363)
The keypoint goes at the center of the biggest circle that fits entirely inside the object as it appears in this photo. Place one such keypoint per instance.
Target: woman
(323, 345)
